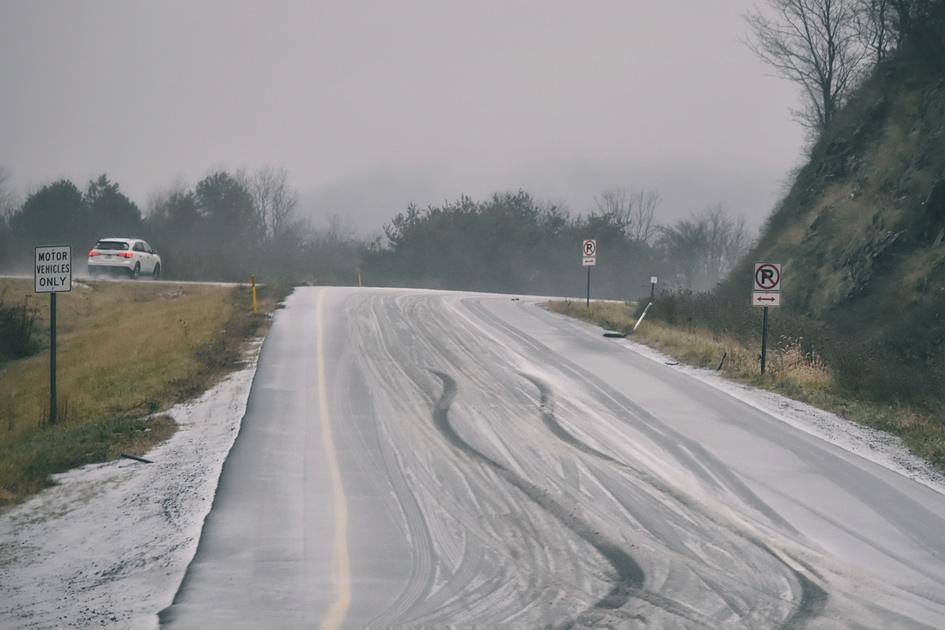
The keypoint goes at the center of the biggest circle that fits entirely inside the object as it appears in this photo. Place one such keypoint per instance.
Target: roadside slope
(152, 369)
(126, 351)
(861, 235)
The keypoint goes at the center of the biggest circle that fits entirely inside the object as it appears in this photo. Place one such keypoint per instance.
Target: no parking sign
(766, 293)
(767, 277)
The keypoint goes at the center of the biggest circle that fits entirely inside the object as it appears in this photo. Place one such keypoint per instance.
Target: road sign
(589, 252)
(653, 279)
(767, 277)
(766, 298)
(52, 274)
(766, 293)
(589, 259)
(52, 269)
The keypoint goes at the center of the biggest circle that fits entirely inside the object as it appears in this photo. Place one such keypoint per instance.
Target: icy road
(416, 458)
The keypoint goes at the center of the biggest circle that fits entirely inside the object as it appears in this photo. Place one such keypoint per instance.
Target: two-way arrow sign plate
(766, 298)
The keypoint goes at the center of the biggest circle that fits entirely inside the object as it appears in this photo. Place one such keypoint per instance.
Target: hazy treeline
(61, 214)
(226, 227)
(510, 242)
(230, 225)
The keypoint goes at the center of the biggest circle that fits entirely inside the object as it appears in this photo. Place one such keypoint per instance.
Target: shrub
(17, 323)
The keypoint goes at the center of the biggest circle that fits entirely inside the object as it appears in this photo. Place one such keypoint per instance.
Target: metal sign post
(589, 259)
(52, 274)
(588, 302)
(764, 339)
(53, 405)
(766, 293)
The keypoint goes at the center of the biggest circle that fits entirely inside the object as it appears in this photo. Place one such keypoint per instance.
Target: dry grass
(126, 350)
(610, 315)
(791, 371)
(788, 366)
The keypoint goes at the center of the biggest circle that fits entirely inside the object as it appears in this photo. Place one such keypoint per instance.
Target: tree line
(225, 227)
(230, 225)
(510, 242)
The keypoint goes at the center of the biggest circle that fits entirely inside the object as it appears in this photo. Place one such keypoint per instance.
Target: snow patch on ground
(109, 544)
(871, 444)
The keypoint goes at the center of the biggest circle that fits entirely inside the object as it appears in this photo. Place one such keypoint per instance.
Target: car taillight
(125, 254)
(93, 253)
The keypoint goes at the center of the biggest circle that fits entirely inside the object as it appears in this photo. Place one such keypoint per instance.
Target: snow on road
(108, 545)
(879, 447)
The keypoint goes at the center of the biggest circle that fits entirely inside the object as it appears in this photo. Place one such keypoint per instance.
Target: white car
(125, 256)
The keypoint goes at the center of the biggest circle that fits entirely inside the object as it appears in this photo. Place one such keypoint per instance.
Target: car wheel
(157, 272)
(134, 273)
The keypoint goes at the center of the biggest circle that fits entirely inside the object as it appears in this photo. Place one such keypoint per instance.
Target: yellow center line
(341, 564)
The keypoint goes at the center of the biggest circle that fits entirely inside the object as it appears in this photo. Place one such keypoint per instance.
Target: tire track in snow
(813, 598)
(688, 452)
(394, 350)
(810, 599)
(630, 576)
(547, 409)
(459, 343)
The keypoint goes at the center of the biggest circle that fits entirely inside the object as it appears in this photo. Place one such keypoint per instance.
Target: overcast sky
(372, 105)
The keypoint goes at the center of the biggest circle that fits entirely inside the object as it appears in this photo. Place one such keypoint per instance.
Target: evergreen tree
(111, 213)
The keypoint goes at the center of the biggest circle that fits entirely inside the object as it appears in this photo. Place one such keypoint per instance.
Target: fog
(374, 105)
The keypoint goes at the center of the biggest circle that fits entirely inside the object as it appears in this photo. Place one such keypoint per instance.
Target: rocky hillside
(861, 235)
(864, 224)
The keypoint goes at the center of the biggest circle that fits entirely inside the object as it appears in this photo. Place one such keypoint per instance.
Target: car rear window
(116, 245)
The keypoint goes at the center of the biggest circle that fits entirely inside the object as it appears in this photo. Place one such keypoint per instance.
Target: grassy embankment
(126, 351)
(790, 371)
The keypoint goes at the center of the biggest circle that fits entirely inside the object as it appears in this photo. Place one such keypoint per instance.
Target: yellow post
(255, 305)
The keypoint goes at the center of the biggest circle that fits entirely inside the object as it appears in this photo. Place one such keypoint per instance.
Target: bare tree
(727, 239)
(907, 12)
(920, 24)
(8, 199)
(635, 211)
(878, 24)
(612, 201)
(338, 228)
(273, 198)
(816, 44)
(643, 211)
(704, 247)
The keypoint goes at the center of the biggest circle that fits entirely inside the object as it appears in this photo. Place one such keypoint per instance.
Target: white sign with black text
(52, 269)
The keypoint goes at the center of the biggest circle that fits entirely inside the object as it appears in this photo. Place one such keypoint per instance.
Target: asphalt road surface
(414, 458)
